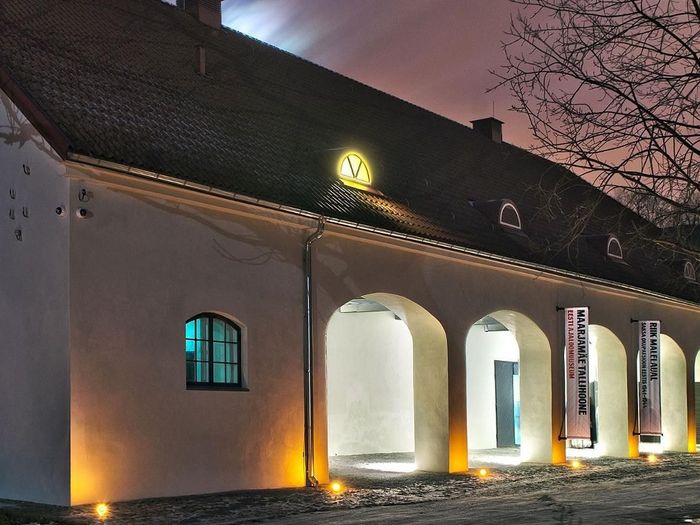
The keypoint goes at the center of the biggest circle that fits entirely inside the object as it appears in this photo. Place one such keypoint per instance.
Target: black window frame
(689, 271)
(614, 240)
(502, 222)
(237, 355)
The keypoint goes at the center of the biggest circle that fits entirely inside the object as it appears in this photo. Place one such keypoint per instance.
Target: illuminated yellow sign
(354, 169)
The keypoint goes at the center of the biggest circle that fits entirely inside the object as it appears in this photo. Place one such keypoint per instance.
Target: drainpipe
(308, 358)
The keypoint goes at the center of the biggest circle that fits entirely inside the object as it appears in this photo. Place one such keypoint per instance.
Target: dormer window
(614, 248)
(689, 271)
(354, 170)
(509, 216)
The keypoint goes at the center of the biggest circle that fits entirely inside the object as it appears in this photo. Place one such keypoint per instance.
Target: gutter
(311, 480)
(210, 190)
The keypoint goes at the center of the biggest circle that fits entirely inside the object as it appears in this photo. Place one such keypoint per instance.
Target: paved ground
(602, 491)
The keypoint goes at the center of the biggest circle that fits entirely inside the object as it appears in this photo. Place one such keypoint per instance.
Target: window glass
(354, 167)
(212, 352)
(219, 330)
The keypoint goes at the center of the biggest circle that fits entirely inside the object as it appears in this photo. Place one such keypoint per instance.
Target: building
(172, 189)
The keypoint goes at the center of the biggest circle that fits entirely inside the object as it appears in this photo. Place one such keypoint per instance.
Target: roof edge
(43, 124)
(426, 241)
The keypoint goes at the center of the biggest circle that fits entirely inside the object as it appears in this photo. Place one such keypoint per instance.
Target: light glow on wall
(646, 448)
(353, 168)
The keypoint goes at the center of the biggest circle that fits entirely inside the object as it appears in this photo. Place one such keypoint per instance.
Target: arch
(428, 373)
(535, 383)
(674, 402)
(609, 360)
(509, 216)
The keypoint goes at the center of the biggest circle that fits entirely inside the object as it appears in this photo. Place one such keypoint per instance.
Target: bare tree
(611, 89)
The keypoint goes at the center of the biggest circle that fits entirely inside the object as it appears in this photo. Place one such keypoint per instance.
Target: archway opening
(674, 402)
(386, 381)
(608, 397)
(509, 396)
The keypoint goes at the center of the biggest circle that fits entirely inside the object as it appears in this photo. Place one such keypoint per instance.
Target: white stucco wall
(142, 265)
(370, 384)
(34, 388)
(483, 348)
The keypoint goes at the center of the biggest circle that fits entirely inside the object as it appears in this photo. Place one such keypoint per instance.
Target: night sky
(433, 53)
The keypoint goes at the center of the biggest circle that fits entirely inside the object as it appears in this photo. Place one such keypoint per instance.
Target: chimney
(206, 11)
(489, 127)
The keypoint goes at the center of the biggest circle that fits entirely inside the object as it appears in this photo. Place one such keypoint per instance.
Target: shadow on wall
(238, 243)
(19, 131)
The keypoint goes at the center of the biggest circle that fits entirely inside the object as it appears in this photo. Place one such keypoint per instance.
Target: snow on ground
(379, 490)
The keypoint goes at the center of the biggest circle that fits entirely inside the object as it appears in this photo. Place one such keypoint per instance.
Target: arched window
(509, 216)
(689, 271)
(354, 168)
(212, 352)
(614, 248)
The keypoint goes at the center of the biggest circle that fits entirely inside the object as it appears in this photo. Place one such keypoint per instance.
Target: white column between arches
(674, 402)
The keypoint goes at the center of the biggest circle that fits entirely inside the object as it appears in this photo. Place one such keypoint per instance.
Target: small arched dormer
(689, 271)
(614, 248)
(508, 216)
(354, 169)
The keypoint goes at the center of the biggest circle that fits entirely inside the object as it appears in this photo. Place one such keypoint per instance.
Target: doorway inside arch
(508, 391)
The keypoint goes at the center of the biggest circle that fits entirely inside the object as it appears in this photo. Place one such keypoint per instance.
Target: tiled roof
(116, 80)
